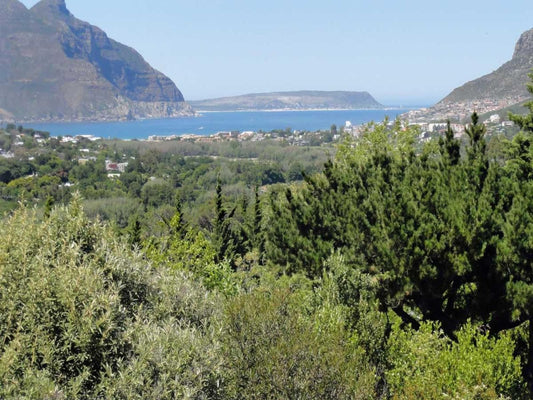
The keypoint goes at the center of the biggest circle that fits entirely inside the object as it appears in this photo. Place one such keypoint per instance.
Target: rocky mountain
(504, 88)
(507, 82)
(302, 100)
(56, 67)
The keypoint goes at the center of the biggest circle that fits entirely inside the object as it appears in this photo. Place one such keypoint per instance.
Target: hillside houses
(111, 166)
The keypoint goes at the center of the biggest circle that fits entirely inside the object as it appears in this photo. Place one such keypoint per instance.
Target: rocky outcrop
(56, 67)
(524, 46)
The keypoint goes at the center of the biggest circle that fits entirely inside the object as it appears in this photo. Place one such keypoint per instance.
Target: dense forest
(383, 268)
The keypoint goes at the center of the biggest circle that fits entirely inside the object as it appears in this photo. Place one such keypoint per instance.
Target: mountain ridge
(57, 67)
(506, 82)
(503, 88)
(290, 100)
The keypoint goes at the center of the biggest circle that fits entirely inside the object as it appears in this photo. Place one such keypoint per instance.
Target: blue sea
(212, 122)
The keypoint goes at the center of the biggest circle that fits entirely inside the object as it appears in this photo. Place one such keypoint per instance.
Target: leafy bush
(81, 316)
(427, 365)
(117, 210)
(277, 346)
(178, 355)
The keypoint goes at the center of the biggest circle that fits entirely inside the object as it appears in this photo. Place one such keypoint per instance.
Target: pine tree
(476, 132)
(222, 238)
(525, 122)
(427, 228)
(48, 206)
(516, 249)
(258, 238)
(134, 232)
(479, 163)
(450, 147)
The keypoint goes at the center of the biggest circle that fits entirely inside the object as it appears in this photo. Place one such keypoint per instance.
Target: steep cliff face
(524, 46)
(506, 83)
(119, 64)
(56, 67)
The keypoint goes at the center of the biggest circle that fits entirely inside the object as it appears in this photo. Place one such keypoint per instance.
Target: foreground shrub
(427, 365)
(177, 355)
(278, 347)
(81, 316)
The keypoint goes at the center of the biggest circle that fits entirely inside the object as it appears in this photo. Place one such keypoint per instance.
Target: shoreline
(198, 114)
(209, 123)
(308, 110)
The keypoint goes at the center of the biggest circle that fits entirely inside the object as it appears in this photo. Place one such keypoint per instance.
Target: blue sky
(408, 52)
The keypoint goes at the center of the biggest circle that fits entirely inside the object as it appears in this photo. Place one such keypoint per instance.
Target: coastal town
(290, 136)
(459, 112)
(429, 127)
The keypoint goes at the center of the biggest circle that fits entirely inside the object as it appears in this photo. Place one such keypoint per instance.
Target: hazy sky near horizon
(409, 52)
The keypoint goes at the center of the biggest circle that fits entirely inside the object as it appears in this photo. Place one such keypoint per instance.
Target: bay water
(208, 123)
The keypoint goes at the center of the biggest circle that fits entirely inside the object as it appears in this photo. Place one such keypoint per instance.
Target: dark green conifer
(258, 237)
(478, 161)
(450, 147)
(48, 206)
(223, 238)
(525, 122)
(134, 232)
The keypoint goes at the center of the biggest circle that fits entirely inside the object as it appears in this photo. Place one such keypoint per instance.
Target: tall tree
(430, 228)
(525, 122)
(222, 236)
(257, 232)
(48, 206)
(450, 147)
(516, 248)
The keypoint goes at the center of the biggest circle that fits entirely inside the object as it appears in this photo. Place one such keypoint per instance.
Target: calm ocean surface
(213, 122)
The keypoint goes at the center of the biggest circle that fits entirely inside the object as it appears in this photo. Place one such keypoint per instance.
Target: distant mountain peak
(56, 8)
(506, 85)
(11, 4)
(524, 46)
(10, 8)
(498, 90)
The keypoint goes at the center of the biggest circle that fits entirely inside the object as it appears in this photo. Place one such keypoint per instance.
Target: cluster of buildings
(191, 137)
(432, 120)
(461, 111)
(429, 130)
(6, 154)
(494, 123)
(114, 169)
(19, 140)
(293, 137)
(354, 130)
(111, 166)
(216, 137)
(79, 138)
